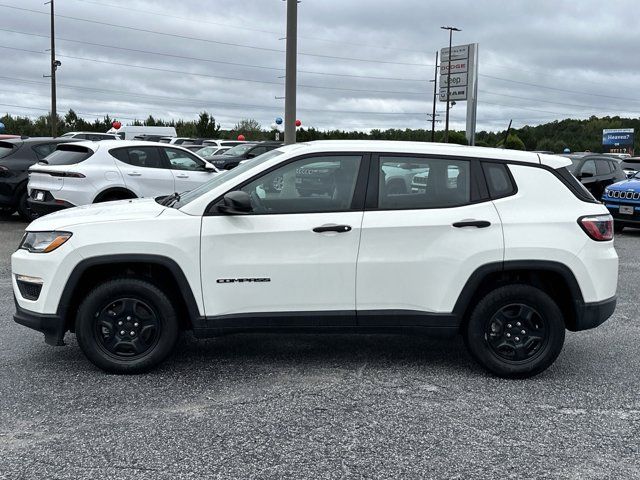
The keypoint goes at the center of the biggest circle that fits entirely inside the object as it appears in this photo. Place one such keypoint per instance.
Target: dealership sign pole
(459, 81)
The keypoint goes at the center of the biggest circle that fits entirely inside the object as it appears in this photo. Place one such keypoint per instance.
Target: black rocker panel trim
(340, 321)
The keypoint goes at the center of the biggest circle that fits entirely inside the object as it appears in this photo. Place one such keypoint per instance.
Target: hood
(121, 210)
(631, 184)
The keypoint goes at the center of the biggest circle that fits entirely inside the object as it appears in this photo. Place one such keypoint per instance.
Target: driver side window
(589, 168)
(316, 184)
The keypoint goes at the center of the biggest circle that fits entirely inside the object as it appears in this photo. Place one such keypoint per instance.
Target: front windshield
(207, 151)
(574, 165)
(224, 177)
(238, 150)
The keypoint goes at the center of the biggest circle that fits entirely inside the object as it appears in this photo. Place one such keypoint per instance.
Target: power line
(217, 42)
(47, 110)
(220, 77)
(553, 102)
(184, 57)
(558, 89)
(245, 27)
(203, 101)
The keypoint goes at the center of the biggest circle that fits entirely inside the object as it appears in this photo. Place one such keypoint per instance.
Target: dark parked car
(596, 172)
(630, 166)
(232, 157)
(148, 138)
(16, 156)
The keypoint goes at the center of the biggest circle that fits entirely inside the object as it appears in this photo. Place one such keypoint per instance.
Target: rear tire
(515, 331)
(126, 325)
(23, 207)
(618, 228)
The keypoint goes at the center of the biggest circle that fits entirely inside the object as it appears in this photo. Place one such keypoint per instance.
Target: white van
(127, 132)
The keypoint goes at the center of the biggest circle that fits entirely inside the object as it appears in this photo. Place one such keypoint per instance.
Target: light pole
(435, 99)
(446, 126)
(291, 71)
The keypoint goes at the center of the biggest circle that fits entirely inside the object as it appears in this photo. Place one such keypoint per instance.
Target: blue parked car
(623, 201)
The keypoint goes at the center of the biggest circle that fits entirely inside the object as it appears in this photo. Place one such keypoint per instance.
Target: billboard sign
(618, 140)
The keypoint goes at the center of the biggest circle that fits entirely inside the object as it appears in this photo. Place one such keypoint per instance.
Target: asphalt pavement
(327, 406)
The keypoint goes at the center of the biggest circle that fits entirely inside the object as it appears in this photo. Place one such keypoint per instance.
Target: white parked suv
(510, 253)
(94, 172)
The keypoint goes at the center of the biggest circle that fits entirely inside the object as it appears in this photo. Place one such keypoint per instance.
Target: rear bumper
(590, 315)
(46, 207)
(53, 326)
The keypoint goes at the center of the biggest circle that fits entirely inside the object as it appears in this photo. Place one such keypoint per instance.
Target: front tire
(515, 331)
(126, 325)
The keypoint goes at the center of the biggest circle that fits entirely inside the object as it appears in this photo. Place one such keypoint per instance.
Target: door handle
(472, 223)
(134, 174)
(182, 176)
(333, 228)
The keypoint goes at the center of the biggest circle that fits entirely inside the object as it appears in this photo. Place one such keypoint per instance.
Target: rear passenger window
(416, 182)
(146, 157)
(603, 167)
(498, 180)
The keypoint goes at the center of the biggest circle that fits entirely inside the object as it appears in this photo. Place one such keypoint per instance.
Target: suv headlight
(43, 242)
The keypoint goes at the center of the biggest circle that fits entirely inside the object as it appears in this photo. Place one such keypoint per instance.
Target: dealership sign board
(459, 71)
(618, 140)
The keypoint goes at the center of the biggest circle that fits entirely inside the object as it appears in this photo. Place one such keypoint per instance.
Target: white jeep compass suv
(505, 247)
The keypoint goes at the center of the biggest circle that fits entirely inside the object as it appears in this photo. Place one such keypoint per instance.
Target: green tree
(206, 126)
(250, 128)
(513, 143)
(458, 137)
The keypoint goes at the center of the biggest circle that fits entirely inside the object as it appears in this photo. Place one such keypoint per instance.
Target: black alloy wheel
(517, 332)
(127, 327)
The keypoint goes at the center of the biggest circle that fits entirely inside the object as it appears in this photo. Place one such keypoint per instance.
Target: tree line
(577, 135)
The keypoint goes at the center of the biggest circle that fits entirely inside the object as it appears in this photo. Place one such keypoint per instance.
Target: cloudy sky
(362, 64)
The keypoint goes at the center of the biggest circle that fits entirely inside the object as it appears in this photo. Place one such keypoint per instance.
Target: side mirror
(236, 203)
(251, 155)
(586, 175)
(210, 168)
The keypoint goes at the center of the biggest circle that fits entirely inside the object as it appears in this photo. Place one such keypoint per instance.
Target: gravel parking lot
(322, 406)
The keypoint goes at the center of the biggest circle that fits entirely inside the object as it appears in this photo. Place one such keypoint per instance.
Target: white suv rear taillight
(598, 227)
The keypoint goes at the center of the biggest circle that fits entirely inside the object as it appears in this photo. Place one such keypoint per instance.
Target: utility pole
(435, 99)
(54, 66)
(291, 73)
(446, 127)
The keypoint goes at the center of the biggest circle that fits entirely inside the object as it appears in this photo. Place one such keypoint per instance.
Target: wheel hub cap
(127, 327)
(516, 332)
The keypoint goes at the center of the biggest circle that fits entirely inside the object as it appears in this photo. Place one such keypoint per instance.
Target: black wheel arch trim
(170, 264)
(586, 315)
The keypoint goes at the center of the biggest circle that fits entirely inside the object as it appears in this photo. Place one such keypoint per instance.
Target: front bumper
(53, 326)
(590, 315)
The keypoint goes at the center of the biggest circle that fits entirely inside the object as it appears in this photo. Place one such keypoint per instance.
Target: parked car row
(88, 172)
(16, 156)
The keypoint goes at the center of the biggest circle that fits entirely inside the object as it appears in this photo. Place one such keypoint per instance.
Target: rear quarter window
(576, 187)
(68, 155)
(499, 180)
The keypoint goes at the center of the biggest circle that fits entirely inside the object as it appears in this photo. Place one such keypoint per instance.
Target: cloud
(538, 60)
